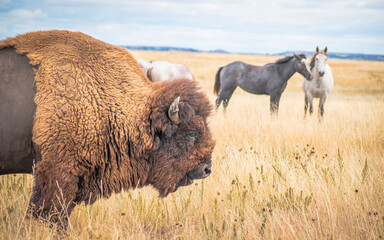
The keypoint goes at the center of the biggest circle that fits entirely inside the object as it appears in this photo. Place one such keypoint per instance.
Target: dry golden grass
(284, 177)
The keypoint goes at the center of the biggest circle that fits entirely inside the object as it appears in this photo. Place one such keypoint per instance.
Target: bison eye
(191, 138)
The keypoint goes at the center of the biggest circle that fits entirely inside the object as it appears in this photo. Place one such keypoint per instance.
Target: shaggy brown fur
(101, 126)
(313, 59)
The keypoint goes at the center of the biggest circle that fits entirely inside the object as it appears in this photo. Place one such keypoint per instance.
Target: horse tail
(216, 88)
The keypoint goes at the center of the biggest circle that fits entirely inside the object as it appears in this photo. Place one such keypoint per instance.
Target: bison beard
(101, 126)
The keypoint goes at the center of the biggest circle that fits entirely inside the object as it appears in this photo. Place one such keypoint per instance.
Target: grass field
(273, 178)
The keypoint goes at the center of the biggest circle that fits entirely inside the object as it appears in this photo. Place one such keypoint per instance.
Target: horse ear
(325, 50)
(297, 57)
(317, 49)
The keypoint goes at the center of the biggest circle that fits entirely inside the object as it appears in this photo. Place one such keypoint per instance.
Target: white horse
(321, 84)
(158, 71)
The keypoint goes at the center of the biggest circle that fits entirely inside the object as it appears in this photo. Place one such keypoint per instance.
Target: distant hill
(164, 49)
(171, 49)
(349, 56)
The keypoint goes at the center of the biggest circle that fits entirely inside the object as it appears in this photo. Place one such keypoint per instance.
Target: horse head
(302, 66)
(319, 61)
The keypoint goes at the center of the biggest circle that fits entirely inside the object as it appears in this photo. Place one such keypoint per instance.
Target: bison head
(182, 142)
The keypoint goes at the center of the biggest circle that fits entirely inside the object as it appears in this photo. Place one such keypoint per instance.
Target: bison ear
(173, 111)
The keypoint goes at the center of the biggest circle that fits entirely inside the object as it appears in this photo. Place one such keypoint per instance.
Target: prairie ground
(282, 177)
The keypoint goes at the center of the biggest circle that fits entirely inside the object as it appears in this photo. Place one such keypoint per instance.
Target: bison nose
(201, 172)
(207, 171)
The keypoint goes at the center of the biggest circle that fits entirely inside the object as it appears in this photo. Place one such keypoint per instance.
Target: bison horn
(173, 111)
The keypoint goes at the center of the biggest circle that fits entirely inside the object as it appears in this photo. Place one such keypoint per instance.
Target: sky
(239, 26)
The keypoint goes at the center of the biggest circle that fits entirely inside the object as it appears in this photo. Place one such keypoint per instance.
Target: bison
(95, 125)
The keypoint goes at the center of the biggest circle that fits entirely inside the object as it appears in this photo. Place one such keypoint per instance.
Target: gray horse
(270, 79)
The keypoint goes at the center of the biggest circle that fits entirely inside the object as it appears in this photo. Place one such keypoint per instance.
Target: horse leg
(274, 103)
(218, 102)
(310, 100)
(225, 96)
(321, 106)
(305, 105)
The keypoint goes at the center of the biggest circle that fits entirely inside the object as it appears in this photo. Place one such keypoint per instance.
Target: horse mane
(288, 58)
(312, 63)
(302, 56)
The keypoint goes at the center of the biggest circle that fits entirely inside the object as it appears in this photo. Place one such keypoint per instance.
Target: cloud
(240, 26)
(25, 14)
(4, 3)
(3, 28)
